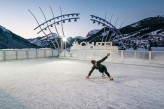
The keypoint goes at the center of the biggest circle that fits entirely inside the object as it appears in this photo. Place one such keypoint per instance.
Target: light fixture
(69, 20)
(64, 39)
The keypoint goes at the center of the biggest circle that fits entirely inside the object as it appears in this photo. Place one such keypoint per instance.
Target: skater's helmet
(93, 61)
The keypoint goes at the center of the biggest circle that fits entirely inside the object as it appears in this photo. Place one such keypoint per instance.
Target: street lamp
(64, 40)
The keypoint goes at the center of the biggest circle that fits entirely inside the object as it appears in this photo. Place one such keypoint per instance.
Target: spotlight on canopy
(69, 20)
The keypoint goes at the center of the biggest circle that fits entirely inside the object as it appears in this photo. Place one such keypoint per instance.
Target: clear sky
(14, 14)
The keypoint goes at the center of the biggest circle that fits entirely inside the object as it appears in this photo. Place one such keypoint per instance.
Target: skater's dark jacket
(99, 66)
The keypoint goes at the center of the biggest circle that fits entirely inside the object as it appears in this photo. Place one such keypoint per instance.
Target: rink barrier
(154, 58)
(19, 54)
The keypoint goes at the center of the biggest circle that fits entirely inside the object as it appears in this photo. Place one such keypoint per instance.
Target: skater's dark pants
(104, 69)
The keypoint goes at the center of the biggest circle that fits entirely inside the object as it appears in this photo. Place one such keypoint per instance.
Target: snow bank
(61, 84)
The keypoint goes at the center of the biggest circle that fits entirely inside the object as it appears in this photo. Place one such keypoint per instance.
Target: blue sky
(14, 14)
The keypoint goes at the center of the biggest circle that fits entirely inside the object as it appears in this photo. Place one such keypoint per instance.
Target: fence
(18, 54)
(118, 56)
(155, 58)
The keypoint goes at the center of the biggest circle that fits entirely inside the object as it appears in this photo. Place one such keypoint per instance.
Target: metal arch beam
(113, 29)
(104, 30)
(62, 22)
(121, 24)
(56, 23)
(58, 17)
(106, 22)
(37, 22)
(49, 30)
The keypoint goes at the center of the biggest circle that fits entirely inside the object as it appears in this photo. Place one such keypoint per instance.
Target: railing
(120, 56)
(18, 54)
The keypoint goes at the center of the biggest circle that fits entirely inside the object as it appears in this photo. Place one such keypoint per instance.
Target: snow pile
(61, 84)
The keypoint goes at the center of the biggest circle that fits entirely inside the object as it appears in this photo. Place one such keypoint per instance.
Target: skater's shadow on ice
(8, 102)
(96, 80)
(123, 79)
(117, 79)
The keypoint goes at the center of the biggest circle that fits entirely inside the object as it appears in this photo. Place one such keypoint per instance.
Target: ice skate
(103, 76)
(110, 78)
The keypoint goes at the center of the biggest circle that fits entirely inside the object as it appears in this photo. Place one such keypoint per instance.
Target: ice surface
(61, 84)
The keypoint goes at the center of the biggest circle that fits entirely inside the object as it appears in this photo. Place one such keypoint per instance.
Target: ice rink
(61, 84)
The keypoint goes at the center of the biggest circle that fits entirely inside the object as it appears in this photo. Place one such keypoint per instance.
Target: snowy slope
(44, 41)
(151, 28)
(10, 40)
(4, 29)
(58, 84)
(92, 32)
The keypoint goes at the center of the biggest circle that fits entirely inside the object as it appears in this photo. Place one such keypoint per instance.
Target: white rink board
(21, 54)
(18, 54)
(1, 55)
(48, 53)
(32, 54)
(119, 56)
(10, 54)
(40, 53)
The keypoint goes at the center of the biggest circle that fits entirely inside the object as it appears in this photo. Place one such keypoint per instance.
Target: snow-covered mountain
(45, 41)
(92, 32)
(141, 33)
(9, 40)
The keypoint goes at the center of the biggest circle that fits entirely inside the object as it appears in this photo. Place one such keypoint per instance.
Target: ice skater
(102, 68)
